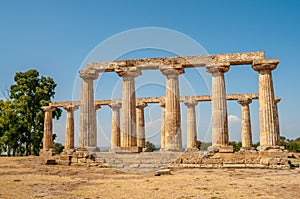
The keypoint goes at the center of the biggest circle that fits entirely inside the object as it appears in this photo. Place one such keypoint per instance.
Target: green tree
(9, 128)
(236, 145)
(150, 146)
(29, 93)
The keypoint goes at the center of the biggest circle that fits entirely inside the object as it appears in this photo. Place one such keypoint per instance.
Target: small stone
(49, 161)
(163, 172)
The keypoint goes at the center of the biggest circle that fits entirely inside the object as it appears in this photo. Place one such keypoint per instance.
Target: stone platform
(268, 159)
(138, 160)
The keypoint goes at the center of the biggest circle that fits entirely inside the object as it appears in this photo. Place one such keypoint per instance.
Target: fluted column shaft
(115, 125)
(88, 130)
(191, 124)
(277, 100)
(69, 138)
(140, 124)
(128, 137)
(219, 105)
(173, 134)
(47, 140)
(162, 137)
(267, 106)
(246, 122)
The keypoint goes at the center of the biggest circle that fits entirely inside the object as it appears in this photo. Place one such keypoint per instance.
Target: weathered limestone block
(47, 152)
(64, 162)
(163, 172)
(48, 161)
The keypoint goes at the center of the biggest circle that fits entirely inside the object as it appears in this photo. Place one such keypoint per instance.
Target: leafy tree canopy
(23, 115)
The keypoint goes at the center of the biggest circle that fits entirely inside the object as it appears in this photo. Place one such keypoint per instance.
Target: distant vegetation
(21, 115)
(150, 146)
(291, 145)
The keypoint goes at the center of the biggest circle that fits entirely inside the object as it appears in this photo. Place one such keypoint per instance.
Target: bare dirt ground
(27, 177)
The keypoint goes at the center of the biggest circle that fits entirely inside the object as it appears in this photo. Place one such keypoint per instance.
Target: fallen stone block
(64, 162)
(50, 161)
(163, 172)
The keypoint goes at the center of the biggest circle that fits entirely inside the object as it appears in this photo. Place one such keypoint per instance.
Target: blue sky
(55, 37)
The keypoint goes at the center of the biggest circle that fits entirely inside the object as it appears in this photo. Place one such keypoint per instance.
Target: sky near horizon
(57, 38)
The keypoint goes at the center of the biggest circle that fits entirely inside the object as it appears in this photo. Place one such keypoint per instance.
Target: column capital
(141, 105)
(115, 105)
(265, 64)
(89, 74)
(218, 67)
(162, 104)
(190, 103)
(48, 108)
(171, 72)
(71, 107)
(244, 101)
(129, 74)
(277, 100)
(97, 106)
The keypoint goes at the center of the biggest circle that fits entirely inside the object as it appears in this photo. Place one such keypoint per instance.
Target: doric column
(47, 140)
(173, 135)
(267, 106)
(88, 130)
(69, 139)
(246, 123)
(162, 137)
(96, 108)
(115, 125)
(140, 124)
(219, 104)
(191, 124)
(128, 137)
(277, 100)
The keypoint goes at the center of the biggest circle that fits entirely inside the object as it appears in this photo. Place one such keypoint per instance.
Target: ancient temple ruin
(130, 134)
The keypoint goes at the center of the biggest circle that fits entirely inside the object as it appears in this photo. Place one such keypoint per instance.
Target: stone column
(47, 140)
(173, 135)
(69, 142)
(88, 130)
(128, 137)
(96, 108)
(162, 137)
(267, 106)
(277, 100)
(219, 104)
(140, 124)
(246, 123)
(115, 125)
(191, 124)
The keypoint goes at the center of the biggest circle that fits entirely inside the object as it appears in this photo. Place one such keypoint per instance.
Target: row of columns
(140, 124)
(171, 129)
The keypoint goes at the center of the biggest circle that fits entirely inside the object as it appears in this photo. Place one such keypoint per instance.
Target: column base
(247, 149)
(47, 152)
(270, 148)
(221, 149)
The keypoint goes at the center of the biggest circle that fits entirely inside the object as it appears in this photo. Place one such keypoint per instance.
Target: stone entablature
(176, 62)
(156, 100)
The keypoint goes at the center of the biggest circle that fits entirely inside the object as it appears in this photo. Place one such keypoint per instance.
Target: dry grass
(27, 178)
